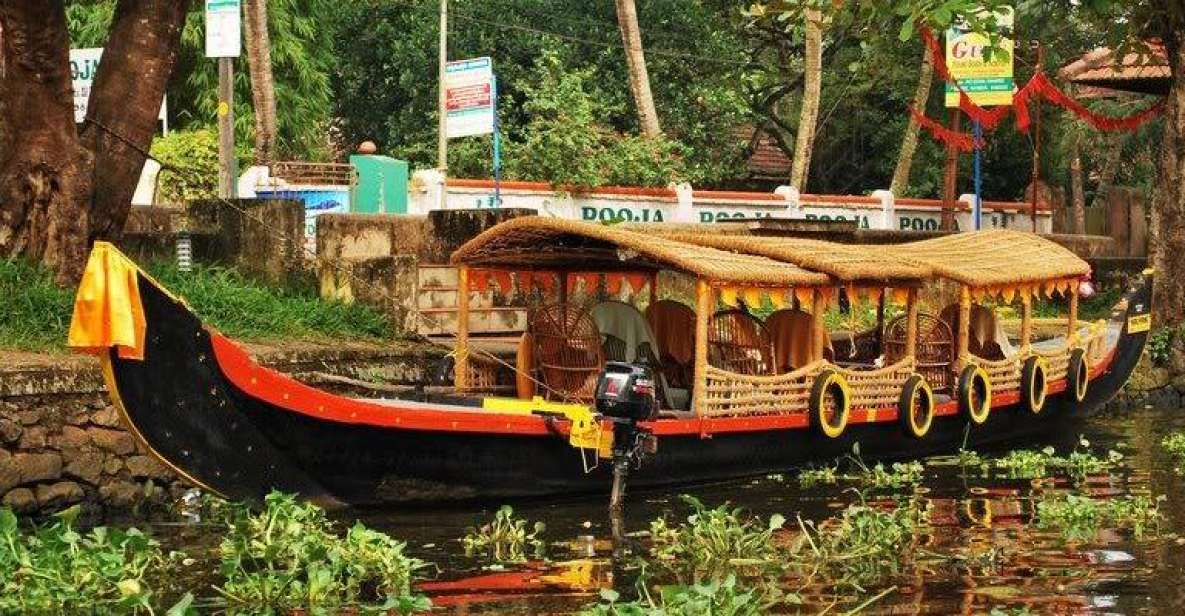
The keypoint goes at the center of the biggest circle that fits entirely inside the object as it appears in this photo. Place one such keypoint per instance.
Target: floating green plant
(722, 597)
(860, 547)
(288, 557)
(899, 474)
(1175, 445)
(715, 539)
(821, 476)
(1078, 465)
(1078, 518)
(57, 569)
(506, 538)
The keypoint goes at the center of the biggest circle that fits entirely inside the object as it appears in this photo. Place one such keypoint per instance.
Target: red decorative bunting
(638, 281)
(479, 280)
(505, 284)
(960, 141)
(1038, 86)
(613, 283)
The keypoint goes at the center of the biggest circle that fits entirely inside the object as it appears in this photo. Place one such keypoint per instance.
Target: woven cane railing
(877, 388)
(1004, 375)
(731, 394)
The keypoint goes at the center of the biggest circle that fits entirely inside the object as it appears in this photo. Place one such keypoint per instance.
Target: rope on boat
(382, 292)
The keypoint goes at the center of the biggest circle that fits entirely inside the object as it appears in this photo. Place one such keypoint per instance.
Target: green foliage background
(366, 69)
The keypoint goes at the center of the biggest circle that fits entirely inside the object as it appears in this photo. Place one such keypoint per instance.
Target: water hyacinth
(289, 557)
(505, 539)
(57, 569)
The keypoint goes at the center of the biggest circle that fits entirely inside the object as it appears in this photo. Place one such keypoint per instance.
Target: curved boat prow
(1131, 318)
(164, 380)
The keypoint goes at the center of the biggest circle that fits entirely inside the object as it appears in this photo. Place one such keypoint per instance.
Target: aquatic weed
(1174, 444)
(722, 597)
(1026, 464)
(715, 539)
(289, 557)
(1078, 518)
(823, 475)
(898, 475)
(57, 569)
(505, 538)
(860, 547)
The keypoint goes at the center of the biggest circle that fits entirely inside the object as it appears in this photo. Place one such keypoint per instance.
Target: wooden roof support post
(818, 327)
(704, 305)
(1026, 323)
(911, 323)
(964, 333)
(461, 352)
(1072, 321)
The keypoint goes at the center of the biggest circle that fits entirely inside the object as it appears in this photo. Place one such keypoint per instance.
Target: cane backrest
(737, 342)
(567, 351)
(935, 348)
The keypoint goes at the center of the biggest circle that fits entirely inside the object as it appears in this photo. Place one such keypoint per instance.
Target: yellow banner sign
(987, 81)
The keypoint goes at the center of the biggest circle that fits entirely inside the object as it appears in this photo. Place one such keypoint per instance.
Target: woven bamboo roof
(846, 262)
(536, 241)
(979, 259)
(993, 258)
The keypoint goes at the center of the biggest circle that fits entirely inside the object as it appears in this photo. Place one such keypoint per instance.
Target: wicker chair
(935, 348)
(567, 351)
(673, 324)
(739, 343)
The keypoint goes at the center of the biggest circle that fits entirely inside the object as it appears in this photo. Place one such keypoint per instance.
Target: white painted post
(791, 195)
(685, 208)
(965, 217)
(888, 204)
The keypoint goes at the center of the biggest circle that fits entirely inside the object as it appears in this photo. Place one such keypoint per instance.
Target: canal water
(1002, 561)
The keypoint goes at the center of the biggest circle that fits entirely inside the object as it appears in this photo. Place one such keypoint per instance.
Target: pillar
(703, 311)
(461, 352)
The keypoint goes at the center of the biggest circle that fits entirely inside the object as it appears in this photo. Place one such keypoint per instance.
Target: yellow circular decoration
(223, 109)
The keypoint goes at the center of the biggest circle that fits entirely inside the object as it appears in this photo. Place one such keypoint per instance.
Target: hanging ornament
(752, 297)
(728, 296)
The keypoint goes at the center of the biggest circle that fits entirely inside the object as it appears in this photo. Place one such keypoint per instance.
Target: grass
(37, 312)
(1174, 444)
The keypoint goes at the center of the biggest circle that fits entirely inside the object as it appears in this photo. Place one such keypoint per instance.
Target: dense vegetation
(37, 312)
(368, 68)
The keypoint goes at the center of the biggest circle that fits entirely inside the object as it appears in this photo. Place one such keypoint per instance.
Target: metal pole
(441, 107)
(977, 214)
(497, 147)
(227, 166)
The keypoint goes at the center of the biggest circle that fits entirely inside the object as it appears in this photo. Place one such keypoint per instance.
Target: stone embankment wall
(62, 441)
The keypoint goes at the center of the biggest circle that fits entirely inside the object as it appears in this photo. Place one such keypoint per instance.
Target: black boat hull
(183, 403)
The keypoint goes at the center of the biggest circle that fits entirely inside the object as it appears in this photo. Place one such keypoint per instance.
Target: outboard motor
(625, 394)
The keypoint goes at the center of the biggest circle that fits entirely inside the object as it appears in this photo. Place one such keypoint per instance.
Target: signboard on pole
(84, 63)
(987, 82)
(469, 97)
(224, 28)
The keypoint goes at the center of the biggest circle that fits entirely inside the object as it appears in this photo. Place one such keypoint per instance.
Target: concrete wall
(62, 442)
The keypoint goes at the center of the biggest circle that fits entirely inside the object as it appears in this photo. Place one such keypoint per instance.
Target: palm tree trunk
(263, 88)
(909, 142)
(631, 38)
(1077, 189)
(804, 143)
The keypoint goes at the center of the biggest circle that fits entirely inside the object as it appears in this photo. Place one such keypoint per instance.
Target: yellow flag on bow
(107, 308)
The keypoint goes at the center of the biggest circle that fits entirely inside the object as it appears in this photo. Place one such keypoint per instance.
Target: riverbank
(62, 441)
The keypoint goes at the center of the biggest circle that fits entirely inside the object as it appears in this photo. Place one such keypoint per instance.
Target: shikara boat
(748, 376)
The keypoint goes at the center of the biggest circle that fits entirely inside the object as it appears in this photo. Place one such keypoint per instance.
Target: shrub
(193, 158)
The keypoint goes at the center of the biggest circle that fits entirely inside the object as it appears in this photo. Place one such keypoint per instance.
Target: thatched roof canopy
(536, 241)
(846, 262)
(997, 257)
(978, 259)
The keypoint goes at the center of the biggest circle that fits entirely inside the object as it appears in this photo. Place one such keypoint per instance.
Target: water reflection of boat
(740, 395)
